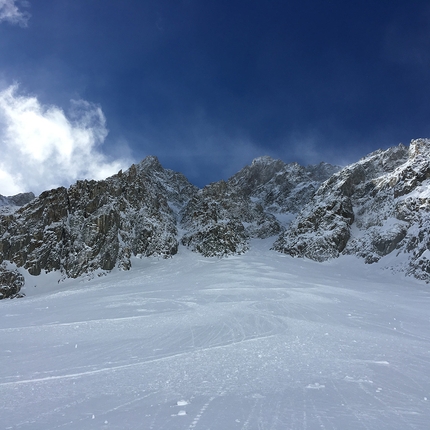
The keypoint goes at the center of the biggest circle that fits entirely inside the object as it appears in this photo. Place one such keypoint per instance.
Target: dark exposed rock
(218, 239)
(215, 220)
(281, 187)
(11, 282)
(319, 232)
(10, 204)
(97, 224)
(20, 199)
(223, 216)
(322, 229)
(372, 208)
(376, 207)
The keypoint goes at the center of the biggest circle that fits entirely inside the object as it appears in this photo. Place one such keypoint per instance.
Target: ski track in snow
(259, 341)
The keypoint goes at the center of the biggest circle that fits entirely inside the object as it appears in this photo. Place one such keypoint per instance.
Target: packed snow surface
(257, 341)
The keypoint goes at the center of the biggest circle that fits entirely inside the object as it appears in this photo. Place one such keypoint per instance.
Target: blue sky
(90, 86)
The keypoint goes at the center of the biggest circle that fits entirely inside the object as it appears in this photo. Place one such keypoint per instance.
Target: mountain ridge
(371, 208)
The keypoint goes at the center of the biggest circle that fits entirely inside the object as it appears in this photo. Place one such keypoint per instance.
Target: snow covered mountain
(374, 209)
(97, 224)
(258, 340)
(12, 203)
(222, 217)
(145, 211)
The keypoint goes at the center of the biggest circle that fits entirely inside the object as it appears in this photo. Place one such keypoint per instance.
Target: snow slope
(256, 341)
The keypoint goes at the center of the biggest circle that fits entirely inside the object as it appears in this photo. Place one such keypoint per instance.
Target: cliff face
(281, 187)
(97, 225)
(11, 282)
(323, 227)
(375, 207)
(372, 208)
(222, 217)
(10, 204)
(100, 225)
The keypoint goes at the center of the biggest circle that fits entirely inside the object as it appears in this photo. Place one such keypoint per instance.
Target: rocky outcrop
(281, 187)
(221, 218)
(11, 282)
(323, 228)
(395, 220)
(372, 208)
(320, 232)
(10, 204)
(97, 224)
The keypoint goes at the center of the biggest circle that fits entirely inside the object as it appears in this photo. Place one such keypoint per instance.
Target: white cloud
(9, 12)
(42, 148)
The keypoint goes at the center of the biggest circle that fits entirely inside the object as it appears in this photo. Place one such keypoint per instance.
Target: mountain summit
(374, 208)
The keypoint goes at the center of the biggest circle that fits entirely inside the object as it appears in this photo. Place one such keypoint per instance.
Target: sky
(88, 87)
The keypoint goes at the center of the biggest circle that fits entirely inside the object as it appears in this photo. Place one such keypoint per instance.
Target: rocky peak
(322, 171)
(20, 199)
(371, 208)
(419, 148)
(261, 171)
(263, 160)
(222, 217)
(150, 162)
(11, 282)
(278, 186)
(97, 224)
(16, 200)
(10, 204)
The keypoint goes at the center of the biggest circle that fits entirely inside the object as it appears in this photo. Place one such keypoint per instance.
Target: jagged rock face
(21, 199)
(10, 204)
(100, 225)
(377, 206)
(401, 199)
(218, 239)
(215, 220)
(97, 225)
(320, 232)
(222, 217)
(323, 228)
(11, 282)
(281, 187)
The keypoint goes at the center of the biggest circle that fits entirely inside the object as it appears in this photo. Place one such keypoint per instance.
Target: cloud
(41, 147)
(9, 12)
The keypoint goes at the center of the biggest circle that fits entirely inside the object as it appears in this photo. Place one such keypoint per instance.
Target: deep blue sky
(209, 85)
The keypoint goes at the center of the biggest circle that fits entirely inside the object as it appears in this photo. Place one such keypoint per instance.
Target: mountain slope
(222, 217)
(97, 225)
(377, 206)
(255, 341)
(10, 204)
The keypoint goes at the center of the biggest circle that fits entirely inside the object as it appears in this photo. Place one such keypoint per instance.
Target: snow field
(258, 341)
